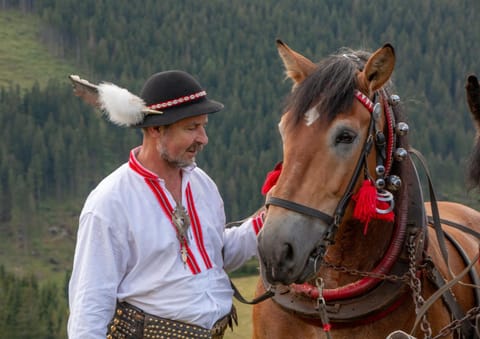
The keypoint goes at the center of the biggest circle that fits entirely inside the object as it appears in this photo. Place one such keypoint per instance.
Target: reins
(236, 293)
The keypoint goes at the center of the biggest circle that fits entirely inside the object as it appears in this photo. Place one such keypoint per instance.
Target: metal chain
(410, 278)
(416, 286)
(472, 314)
(405, 278)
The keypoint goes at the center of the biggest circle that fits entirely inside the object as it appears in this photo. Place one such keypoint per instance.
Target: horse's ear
(473, 98)
(378, 68)
(296, 65)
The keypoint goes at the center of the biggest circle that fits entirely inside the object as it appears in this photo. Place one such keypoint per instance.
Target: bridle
(333, 221)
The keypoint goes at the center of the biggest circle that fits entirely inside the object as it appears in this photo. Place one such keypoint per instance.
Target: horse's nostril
(287, 252)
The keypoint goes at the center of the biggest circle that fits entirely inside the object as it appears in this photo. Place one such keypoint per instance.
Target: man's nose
(202, 136)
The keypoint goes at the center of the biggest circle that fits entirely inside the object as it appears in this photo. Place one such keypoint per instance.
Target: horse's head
(330, 133)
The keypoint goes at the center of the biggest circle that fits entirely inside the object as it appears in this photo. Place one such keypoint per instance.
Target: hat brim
(176, 113)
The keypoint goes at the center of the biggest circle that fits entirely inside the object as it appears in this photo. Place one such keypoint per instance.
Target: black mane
(330, 87)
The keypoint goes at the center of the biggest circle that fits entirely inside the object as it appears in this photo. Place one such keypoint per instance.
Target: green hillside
(47, 248)
(24, 59)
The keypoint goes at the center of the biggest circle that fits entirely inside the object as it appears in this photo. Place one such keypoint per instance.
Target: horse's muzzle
(290, 247)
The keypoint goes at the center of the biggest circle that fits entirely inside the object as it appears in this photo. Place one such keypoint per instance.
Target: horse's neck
(355, 250)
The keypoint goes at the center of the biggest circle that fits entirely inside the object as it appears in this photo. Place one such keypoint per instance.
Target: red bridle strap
(364, 100)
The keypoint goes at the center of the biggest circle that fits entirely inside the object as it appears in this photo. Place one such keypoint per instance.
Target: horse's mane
(330, 87)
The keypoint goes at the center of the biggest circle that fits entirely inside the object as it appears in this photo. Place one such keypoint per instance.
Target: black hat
(178, 95)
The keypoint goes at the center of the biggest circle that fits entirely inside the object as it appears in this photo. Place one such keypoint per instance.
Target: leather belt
(130, 322)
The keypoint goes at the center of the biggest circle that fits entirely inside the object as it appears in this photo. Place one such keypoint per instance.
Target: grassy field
(23, 58)
(246, 286)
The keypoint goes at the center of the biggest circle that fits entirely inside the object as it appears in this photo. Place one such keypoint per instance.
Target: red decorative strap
(178, 101)
(364, 100)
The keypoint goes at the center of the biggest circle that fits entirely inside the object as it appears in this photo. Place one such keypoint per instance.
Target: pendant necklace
(181, 220)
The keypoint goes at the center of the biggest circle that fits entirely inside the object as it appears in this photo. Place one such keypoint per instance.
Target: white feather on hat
(121, 107)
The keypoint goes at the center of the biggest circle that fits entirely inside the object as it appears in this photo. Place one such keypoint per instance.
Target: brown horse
(347, 245)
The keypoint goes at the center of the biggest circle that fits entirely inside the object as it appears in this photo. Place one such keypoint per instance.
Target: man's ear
(153, 130)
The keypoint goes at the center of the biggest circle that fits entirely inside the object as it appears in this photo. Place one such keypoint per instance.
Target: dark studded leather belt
(130, 322)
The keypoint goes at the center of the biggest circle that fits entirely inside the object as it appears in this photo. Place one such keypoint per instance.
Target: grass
(47, 251)
(246, 286)
(24, 59)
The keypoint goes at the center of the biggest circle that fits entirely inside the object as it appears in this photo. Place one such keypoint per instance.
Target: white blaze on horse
(348, 245)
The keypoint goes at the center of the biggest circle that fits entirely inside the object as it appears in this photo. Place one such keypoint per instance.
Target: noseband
(334, 221)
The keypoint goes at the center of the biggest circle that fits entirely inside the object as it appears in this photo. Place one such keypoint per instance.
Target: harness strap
(473, 272)
(444, 288)
(435, 213)
(437, 279)
(428, 303)
(460, 227)
(291, 205)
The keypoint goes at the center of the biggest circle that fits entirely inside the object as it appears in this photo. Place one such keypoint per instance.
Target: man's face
(181, 141)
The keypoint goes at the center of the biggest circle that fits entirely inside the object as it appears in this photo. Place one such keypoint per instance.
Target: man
(152, 249)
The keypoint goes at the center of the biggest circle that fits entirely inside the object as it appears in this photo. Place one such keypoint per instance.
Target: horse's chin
(308, 273)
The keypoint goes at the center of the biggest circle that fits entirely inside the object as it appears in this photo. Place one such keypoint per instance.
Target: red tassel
(271, 178)
(366, 203)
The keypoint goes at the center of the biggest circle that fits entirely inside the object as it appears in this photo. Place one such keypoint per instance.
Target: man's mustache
(196, 147)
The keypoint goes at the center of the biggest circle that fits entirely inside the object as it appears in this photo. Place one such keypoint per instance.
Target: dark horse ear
(297, 67)
(378, 69)
(473, 98)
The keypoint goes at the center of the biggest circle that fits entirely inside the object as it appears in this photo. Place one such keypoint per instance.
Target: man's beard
(179, 162)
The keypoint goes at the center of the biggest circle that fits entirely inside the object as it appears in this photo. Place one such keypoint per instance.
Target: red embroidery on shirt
(167, 208)
(197, 227)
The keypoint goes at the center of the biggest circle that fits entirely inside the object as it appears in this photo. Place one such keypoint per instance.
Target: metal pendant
(181, 220)
(184, 253)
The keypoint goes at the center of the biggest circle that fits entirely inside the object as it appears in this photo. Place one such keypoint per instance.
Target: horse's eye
(345, 137)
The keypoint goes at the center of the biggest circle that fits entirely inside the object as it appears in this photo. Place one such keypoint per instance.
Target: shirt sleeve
(97, 271)
(240, 243)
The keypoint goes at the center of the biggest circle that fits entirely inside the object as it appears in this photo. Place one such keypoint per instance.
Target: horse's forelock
(330, 88)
